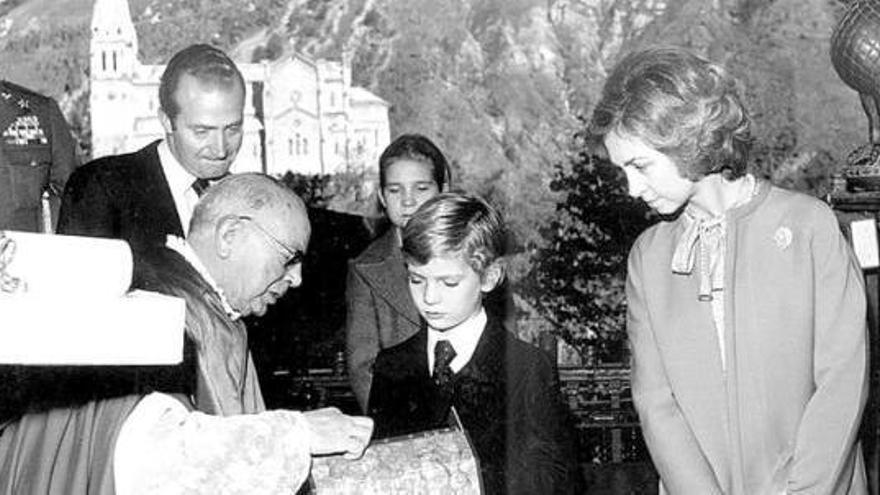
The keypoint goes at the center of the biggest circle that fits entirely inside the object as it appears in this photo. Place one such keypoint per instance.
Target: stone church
(301, 115)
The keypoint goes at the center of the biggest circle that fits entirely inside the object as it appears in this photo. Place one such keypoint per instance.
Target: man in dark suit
(504, 391)
(37, 154)
(143, 196)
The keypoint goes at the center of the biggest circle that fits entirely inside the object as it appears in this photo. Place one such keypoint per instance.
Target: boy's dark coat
(507, 397)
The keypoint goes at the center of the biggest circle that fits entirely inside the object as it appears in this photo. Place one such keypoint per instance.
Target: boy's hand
(333, 432)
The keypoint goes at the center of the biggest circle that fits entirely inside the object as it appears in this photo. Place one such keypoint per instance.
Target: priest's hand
(333, 432)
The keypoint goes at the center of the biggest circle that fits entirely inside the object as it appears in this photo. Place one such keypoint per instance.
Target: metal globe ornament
(855, 55)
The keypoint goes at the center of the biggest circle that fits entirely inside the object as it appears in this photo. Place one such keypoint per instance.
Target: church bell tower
(113, 60)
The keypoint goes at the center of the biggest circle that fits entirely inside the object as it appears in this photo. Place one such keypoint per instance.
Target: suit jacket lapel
(387, 277)
(155, 192)
(432, 405)
(417, 354)
(489, 355)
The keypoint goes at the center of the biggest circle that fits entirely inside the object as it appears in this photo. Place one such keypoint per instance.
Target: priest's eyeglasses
(292, 256)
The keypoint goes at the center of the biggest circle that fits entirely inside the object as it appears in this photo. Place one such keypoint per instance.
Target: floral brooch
(782, 238)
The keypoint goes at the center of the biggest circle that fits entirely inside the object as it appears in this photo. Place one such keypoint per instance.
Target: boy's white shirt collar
(464, 339)
(180, 182)
(184, 249)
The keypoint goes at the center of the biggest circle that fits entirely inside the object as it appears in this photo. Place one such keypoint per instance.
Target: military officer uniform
(37, 154)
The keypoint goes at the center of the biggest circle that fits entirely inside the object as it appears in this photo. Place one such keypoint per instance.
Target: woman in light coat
(746, 307)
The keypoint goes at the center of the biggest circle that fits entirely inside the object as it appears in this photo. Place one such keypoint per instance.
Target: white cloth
(165, 449)
(180, 182)
(464, 339)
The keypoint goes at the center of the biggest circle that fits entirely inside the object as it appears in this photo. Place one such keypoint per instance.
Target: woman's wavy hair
(680, 104)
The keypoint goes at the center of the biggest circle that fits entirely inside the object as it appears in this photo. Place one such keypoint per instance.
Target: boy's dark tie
(199, 186)
(443, 355)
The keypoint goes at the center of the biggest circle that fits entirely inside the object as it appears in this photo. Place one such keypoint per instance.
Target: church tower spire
(114, 65)
(114, 46)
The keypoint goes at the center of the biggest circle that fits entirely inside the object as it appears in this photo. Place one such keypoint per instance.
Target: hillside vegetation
(504, 87)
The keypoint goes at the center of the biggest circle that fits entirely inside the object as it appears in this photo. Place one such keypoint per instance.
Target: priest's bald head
(251, 233)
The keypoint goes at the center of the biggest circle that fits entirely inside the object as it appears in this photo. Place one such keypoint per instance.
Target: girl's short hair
(452, 224)
(680, 104)
(418, 148)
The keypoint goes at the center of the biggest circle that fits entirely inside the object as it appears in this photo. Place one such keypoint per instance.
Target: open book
(429, 462)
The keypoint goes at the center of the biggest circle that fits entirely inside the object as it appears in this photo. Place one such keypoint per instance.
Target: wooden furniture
(320, 387)
(601, 405)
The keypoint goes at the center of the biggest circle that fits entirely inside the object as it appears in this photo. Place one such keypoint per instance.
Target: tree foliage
(166, 27)
(503, 86)
(577, 278)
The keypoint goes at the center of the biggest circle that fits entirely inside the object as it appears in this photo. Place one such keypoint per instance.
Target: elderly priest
(200, 426)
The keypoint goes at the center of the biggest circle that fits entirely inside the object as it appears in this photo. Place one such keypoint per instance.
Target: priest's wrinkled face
(264, 255)
(251, 232)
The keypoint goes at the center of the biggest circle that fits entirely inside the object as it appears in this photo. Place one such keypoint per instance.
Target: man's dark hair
(204, 62)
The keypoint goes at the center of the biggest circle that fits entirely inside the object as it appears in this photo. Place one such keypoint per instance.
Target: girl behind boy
(379, 310)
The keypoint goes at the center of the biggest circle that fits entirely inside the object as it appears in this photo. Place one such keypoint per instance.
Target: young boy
(504, 391)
